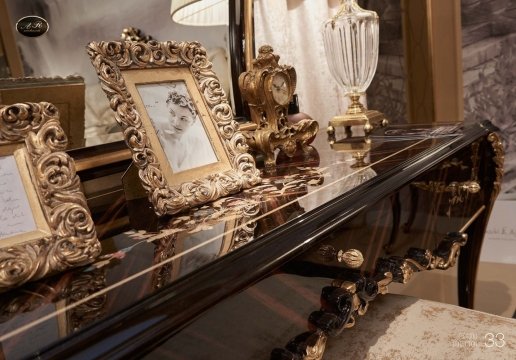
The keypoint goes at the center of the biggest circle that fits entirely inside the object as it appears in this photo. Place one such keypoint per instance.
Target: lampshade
(200, 12)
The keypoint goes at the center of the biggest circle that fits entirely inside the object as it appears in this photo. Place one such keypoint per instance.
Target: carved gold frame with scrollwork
(65, 235)
(111, 60)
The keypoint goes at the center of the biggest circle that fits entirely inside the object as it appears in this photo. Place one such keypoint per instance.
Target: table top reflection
(196, 258)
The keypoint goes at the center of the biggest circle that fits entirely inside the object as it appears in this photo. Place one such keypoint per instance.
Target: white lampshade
(200, 12)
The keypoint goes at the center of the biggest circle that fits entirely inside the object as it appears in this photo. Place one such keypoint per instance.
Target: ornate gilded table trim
(349, 295)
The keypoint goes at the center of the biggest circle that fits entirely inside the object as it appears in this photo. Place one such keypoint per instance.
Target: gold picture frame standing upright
(150, 85)
(45, 224)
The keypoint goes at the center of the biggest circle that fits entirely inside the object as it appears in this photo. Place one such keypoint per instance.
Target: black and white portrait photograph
(179, 129)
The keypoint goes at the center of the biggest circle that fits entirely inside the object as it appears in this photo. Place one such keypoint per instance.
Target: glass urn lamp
(351, 40)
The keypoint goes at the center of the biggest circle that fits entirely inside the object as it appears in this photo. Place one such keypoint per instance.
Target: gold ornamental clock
(268, 88)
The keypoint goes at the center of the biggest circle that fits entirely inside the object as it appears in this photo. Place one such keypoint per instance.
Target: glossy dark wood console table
(206, 284)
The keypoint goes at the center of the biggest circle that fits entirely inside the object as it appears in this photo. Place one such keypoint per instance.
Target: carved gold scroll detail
(73, 241)
(110, 59)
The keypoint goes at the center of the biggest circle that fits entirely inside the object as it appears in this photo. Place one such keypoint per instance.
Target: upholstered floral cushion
(401, 327)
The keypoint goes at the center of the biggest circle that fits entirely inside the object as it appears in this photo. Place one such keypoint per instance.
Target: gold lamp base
(357, 115)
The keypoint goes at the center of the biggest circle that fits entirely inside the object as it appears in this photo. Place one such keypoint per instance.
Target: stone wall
(387, 90)
(489, 68)
(489, 49)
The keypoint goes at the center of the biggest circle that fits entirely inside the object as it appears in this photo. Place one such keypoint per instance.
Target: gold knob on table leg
(352, 258)
(472, 187)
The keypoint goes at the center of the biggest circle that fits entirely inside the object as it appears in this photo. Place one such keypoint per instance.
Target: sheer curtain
(293, 29)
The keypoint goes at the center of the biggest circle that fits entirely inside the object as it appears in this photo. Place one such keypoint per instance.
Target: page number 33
(494, 340)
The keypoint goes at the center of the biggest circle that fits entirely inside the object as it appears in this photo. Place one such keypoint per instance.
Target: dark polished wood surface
(150, 283)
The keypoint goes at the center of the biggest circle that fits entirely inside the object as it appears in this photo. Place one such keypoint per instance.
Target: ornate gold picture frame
(45, 224)
(149, 85)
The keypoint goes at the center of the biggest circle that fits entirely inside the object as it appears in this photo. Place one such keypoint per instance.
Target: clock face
(279, 89)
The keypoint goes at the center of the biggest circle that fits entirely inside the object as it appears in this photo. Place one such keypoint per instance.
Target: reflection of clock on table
(268, 88)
